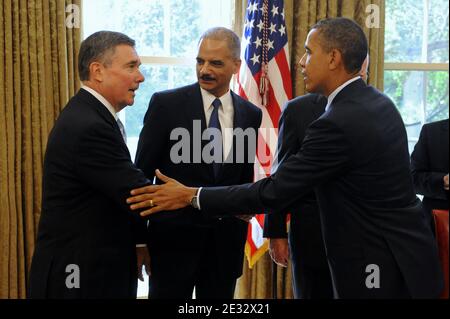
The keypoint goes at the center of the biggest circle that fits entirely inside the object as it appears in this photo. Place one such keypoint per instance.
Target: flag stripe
(283, 65)
(274, 109)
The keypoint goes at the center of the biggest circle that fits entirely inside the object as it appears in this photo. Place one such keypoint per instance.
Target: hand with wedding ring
(170, 196)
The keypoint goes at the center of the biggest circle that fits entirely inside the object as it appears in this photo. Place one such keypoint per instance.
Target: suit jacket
(305, 236)
(168, 112)
(429, 164)
(356, 156)
(85, 221)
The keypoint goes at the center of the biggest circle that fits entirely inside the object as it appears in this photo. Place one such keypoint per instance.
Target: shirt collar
(339, 89)
(104, 101)
(208, 98)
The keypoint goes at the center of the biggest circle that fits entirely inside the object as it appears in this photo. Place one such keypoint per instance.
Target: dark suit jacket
(429, 164)
(356, 156)
(185, 232)
(88, 174)
(305, 236)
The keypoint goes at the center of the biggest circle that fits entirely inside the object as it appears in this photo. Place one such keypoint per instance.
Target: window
(416, 61)
(166, 34)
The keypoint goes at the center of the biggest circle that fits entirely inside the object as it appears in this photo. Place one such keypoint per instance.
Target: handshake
(155, 198)
(169, 196)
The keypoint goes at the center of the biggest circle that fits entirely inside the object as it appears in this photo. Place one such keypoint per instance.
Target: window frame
(425, 67)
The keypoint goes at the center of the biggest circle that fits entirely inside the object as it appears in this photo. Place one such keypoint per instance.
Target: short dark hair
(346, 36)
(99, 47)
(224, 34)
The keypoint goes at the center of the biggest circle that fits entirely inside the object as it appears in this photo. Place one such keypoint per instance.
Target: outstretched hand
(169, 196)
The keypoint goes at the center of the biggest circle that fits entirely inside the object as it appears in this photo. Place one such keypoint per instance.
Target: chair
(441, 225)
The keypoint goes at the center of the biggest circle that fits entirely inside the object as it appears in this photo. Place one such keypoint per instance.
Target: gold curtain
(38, 73)
(300, 16)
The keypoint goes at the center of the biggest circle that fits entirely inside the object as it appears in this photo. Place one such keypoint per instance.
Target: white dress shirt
(100, 97)
(226, 117)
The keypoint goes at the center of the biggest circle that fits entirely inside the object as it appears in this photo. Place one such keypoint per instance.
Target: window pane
(421, 97)
(160, 27)
(157, 78)
(404, 30)
(416, 31)
(437, 97)
(438, 32)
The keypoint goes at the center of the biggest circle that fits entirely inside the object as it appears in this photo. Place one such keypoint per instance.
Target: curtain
(38, 73)
(300, 16)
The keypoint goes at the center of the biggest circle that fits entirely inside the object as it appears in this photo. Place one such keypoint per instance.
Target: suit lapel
(239, 112)
(444, 125)
(195, 110)
(349, 90)
(319, 105)
(238, 122)
(92, 101)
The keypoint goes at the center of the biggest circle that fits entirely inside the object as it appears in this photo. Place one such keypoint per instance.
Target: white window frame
(424, 67)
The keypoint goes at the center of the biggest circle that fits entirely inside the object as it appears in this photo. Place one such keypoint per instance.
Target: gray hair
(99, 47)
(224, 34)
(346, 36)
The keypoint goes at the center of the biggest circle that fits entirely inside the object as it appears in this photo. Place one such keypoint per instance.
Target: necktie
(217, 142)
(122, 130)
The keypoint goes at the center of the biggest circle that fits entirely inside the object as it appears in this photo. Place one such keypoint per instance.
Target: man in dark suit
(310, 273)
(356, 157)
(186, 249)
(429, 167)
(86, 245)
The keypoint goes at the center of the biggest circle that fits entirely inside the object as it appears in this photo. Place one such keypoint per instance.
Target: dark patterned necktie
(217, 142)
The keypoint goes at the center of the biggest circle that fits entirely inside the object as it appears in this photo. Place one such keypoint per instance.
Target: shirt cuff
(198, 198)
(141, 245)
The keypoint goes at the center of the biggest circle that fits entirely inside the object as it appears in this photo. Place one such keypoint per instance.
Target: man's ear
(96, 71)
(335, 59)
(237, 66)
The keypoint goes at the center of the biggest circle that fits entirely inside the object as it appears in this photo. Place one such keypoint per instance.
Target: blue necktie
(217, 144)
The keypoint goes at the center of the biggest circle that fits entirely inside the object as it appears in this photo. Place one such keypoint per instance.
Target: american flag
(265, 80)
